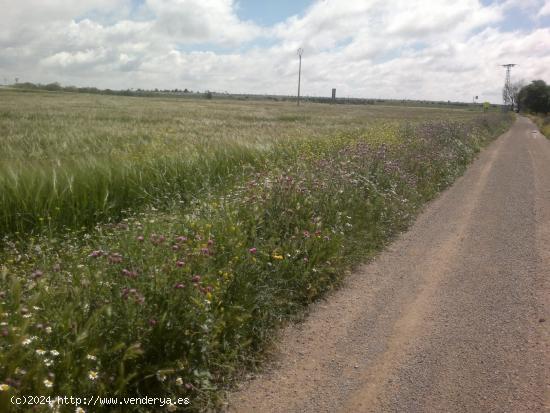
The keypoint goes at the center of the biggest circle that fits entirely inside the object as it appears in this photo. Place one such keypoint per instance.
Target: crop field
(151, 247)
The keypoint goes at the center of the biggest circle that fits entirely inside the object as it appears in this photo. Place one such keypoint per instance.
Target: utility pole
(300, 52)
(507, 86)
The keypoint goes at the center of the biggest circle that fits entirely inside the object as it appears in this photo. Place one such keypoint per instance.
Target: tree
(511, 94)
(55, 86)
(535, 97)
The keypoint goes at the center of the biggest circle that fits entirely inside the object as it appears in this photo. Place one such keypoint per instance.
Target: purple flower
(36, 274)
(180, 264)
(179, 286)
(253, 250)
(96, 254)
(132, 292)
(181, 238)
(157, 239)
(128, 273)
(196, 279)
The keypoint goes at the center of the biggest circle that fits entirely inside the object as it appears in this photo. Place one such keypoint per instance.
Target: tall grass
(543, 122)
(173, 302)
(79, 193)
(69, 161)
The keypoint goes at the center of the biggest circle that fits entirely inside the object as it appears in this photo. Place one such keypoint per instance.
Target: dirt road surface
(452, 317)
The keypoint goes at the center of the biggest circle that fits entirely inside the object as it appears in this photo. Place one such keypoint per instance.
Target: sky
(396, 49)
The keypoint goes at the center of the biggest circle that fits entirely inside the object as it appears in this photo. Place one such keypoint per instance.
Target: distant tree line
(56, 87)
(534, 97)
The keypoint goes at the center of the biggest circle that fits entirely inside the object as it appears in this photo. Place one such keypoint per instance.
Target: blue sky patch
(267, 13)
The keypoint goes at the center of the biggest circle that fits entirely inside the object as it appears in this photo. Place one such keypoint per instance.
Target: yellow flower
(92, 375)
(278, 257)
(4, 387)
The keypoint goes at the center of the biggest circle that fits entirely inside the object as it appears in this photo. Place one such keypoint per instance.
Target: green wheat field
(152, 246)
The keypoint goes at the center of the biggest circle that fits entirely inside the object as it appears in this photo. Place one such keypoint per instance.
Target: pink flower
(140, 238)
(153, 322)
(180, 264)
(96, 254)
(196, 278)
(181, 238)
(210, 242)
(175, 247)
(179, 286)
(306, 234)
(253, 250)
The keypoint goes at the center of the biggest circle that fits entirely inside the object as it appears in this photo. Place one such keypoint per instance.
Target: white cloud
(190, 21)
(430, 49)
(544, 10)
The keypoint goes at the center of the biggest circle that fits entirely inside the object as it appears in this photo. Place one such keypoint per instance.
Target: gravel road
(452, 317)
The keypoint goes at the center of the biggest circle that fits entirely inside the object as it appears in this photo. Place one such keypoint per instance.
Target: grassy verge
(170, 302)
(543, 123)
